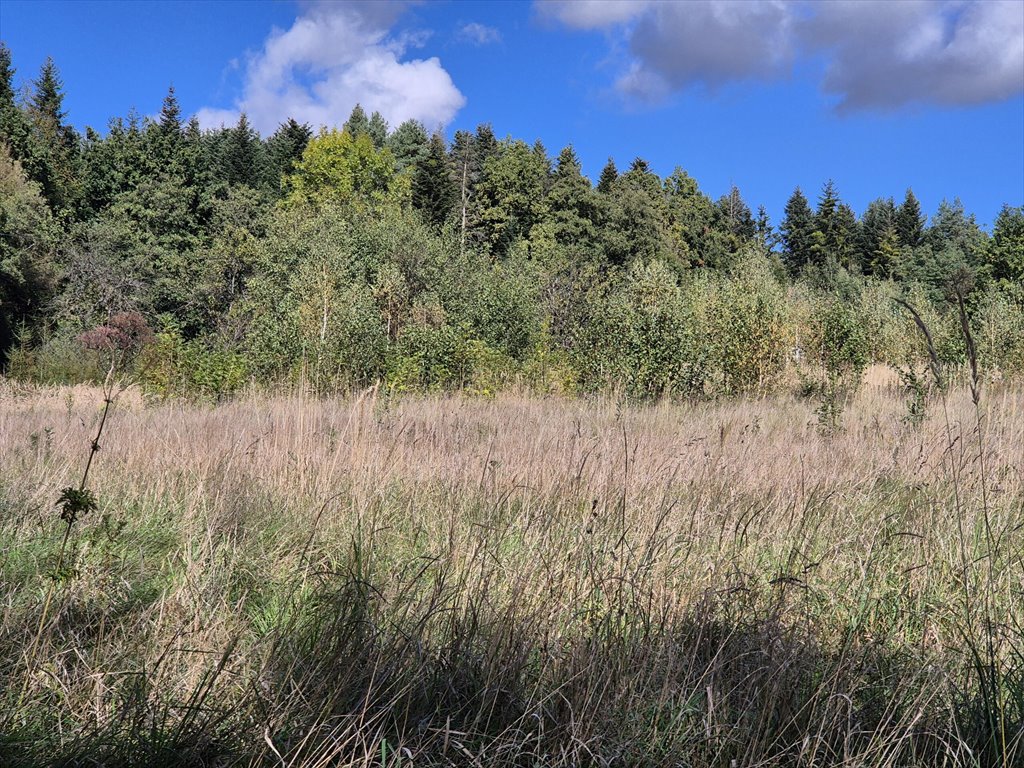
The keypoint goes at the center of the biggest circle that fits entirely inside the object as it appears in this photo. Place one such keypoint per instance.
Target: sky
(877, 96)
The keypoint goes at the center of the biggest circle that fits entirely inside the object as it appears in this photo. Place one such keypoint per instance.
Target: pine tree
(606, 180)
(910, 221)
(797, 230)
(433, 189)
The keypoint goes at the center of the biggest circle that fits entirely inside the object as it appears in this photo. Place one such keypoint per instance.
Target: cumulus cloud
(711, 43)
(334, 56)
(876, 55)
(593, 14)
(919, 52)
(478, 34)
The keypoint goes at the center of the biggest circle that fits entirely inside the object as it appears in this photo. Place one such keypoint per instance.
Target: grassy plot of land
(513, 582)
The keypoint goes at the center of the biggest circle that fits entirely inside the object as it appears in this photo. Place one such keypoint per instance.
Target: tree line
(369, 253)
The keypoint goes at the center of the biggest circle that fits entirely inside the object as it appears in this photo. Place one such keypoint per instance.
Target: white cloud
(593, 14)
(878, 55)
(334, 56)
(712, 43)
(478, 34)
(950, 53)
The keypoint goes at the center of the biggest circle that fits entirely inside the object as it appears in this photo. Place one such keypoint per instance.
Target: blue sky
(764, 95)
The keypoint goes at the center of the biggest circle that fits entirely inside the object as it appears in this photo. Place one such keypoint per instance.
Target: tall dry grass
(513, 582)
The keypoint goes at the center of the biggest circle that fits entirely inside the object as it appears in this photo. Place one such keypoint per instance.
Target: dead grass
(511, 582)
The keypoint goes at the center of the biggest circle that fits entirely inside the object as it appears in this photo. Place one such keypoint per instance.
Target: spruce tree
(571, 204)
(877, 225)
(692, 214)
(284, 150)
(1006, 249)
(764, 232)
(377, 127)
(797, 230)
(14, 126)
(910, 221)
(952, 227)
(166, 135)
(485, 146)
(736, 218)
(846, 238)
(606, 180)
(408, 143)
(6, 77)
(241, 161)
(357, 123)
(170, 115)
(433, 189)
(55, 143)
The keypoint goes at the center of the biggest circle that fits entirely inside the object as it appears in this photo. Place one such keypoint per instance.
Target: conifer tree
(241, 161)
(433, 189)
(696, 240)
(764, 232)
(170, 115)
(284, 149)
(1006, 249)
(6, 77)
(485, 144)
(377, 127)
(14, 126)
(910, 221)
(357, 123)
(878, 225)
(166, 134)
(408, 143)
(55, 144)
(846, 237)
(608, 176)
(736, 217)
(571, 204)
(797, 230)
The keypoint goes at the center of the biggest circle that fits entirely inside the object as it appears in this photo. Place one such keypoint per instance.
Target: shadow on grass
(440, 676)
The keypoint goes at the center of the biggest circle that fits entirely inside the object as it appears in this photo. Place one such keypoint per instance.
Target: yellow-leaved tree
(344, 170)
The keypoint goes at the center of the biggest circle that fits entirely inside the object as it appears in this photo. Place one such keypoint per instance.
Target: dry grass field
(512, 582)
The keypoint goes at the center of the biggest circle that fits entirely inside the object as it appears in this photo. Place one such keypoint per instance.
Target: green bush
(174, 367)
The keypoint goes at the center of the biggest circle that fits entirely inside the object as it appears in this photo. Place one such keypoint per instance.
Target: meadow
(512, 581)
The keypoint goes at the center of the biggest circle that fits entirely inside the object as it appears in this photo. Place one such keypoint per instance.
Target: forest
(342, 258)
